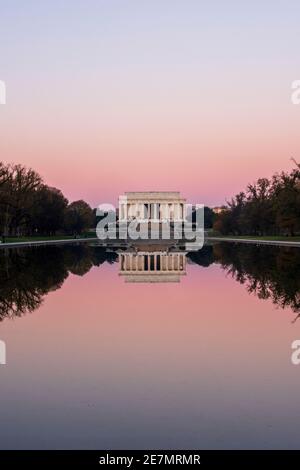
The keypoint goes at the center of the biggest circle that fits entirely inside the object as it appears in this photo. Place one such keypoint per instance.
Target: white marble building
(157, 206)
(156, 266)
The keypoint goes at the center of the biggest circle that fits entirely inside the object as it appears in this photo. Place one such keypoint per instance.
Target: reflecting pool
(149, 347)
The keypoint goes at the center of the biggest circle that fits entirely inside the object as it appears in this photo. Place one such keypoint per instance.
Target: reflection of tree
(203, 257)
(270, 272)
(27, 275)
(77, 259)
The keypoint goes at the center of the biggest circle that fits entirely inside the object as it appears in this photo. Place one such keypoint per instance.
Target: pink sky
(132, 95)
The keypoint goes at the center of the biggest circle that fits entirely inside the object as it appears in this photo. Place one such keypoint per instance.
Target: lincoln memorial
(157, 206)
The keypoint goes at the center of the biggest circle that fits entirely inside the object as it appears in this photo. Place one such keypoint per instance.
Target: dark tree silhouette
(268, 207)
(28, 274)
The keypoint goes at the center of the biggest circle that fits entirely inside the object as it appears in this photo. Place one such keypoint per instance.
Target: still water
(149, 350)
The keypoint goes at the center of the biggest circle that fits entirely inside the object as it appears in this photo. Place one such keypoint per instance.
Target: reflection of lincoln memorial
(152, 266)
(152, 205)
(156, 263)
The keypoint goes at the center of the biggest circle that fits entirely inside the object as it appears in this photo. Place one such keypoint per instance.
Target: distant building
(219, 210)
(155, 206)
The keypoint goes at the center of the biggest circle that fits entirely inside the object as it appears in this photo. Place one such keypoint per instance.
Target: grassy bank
(251, 237)
(92, 234)
(47, 238)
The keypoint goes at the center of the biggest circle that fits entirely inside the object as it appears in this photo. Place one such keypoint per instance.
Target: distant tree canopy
(30, 207)
(267, 207)
(78, 216)
(49, 211)
(209, 216)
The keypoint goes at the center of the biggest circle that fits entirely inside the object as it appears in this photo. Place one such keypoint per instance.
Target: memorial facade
(157, 206)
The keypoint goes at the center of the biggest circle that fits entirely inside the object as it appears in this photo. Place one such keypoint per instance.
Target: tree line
(267, 207)
(30, 207)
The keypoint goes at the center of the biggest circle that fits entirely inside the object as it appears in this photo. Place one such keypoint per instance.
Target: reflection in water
(28, 274)
(111, 364)
(152, 266)
(270, 272)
